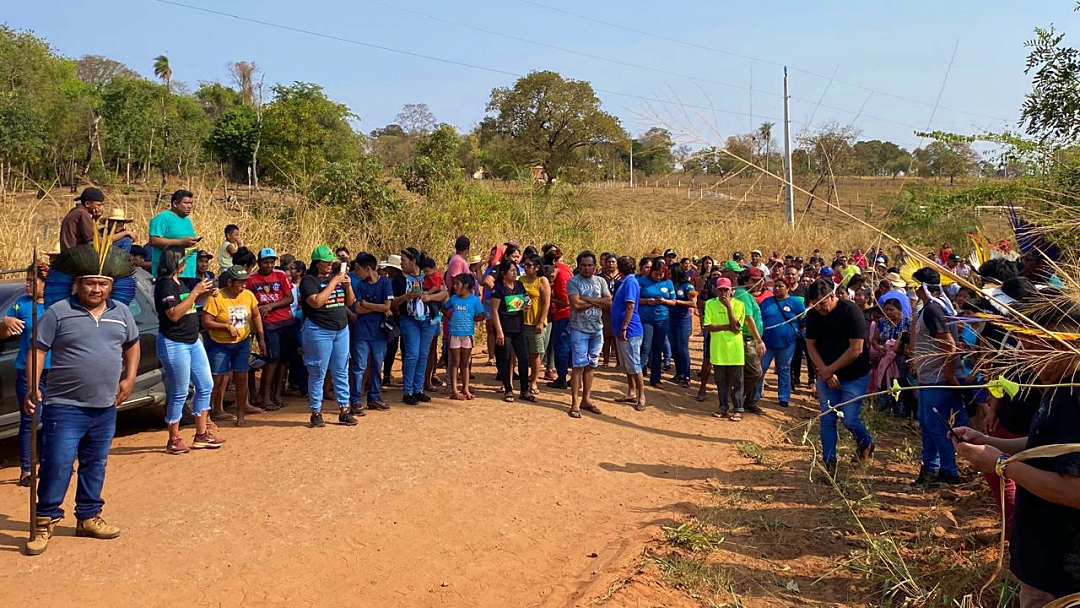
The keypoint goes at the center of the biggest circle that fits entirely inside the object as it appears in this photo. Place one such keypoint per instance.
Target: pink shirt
(458, 265)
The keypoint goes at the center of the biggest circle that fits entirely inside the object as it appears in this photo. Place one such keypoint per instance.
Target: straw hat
(474, 260)
(116, 215)
(392, 261)
(896, 280)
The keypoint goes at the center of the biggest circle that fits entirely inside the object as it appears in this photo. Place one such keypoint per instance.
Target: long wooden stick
(32, 388)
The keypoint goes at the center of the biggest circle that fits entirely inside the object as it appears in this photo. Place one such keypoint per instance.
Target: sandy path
(445, 504)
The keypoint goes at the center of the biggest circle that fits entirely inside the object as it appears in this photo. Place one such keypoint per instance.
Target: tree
(880, 158)
(1052, 108)
(653, 152)
(554, 122)
(243, 75)
(435, 162)
(99, 71)
(947, 159)
(416, 119)
(163, 71)
(391, 144)
(831, 148)
(305, 130)
(233, 138)
(765, 132)
(217, 99)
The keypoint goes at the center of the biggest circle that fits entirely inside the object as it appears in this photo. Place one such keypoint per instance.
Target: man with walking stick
(94, 343)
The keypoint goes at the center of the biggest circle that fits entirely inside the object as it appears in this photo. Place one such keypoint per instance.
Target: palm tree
(163, 71)
(765, 130)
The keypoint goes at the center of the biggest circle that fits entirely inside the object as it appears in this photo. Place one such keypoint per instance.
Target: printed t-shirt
(168, 225)
(778, 318)
(683, 293)
(532, 290)
(366, 326)
(269, 290)
(831, 334)
(590, 320)
(463, 313)
(331, 315)
(655, 313)
(511, 310)
(725, 347)
(237, 312)
(23, 308)
(628, 291)
(169, 293)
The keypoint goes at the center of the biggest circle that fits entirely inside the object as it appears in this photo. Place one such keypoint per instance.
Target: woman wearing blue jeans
(417, 328)
(181, 353)
(325, 293)
(657, 297)
(682, 323)
(780, 315)
(19, 321)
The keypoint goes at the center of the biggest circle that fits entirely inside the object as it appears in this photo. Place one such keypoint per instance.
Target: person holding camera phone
(325, 294)
(173, 228)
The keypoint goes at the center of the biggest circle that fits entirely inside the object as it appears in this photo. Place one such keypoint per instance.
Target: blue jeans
(849, 389)
(183, 364)
(654, 333)
(416, 339)
(680, 345)
(69, 432)
(326, 349)
(26, 422)
(361, 350)
(938, 453)
(560, 345)
(783, 371)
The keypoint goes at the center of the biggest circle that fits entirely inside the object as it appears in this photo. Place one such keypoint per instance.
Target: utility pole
(789, 189)
(631, 164)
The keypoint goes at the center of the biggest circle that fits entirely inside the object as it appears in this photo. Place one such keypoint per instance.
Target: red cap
(754, 273)
(723, 283)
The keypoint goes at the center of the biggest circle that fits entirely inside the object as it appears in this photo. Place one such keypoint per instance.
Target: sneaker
(24, 479)
(43, 532)
(784, 404)
(863, 454)
(207, 441)
(377, 404)
(926, 477)
(753, 408)
(316, 420)
(176, 445)
(346, 418)
(387, 381)
(410, 400)
(947, 480)
(95, 527)
(830, 468)
(357, 410)
(422, 398)
(667, 367)
(558, 383)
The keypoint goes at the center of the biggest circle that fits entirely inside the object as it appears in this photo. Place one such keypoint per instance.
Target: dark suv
(148, 387)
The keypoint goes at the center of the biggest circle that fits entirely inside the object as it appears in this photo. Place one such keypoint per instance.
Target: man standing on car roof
(94, 343)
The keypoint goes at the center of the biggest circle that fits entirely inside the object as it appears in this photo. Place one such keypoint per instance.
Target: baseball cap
(753, 273)
(723, 283)
(757, 251)
(955, 258)
(236, 273)
(668, 252)
(738, 255)
(203, 255)
(91, 194)
(322, 253)
(732, 266)
(267, 252)
(826, 272)
(881, 260)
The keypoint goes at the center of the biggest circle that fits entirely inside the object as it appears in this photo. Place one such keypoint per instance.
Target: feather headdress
(86, 261)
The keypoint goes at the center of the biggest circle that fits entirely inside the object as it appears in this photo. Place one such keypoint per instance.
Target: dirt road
(474, 504)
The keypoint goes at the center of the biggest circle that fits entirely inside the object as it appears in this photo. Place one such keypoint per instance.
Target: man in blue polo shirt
(94, 343)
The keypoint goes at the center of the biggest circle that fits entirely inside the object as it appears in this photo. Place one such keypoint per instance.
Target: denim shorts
(630, 354)
(585, 348)
(225, 358)
(277, 343)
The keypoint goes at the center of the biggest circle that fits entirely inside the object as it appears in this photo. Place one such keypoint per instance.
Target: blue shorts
(278, 342)
(630, 354)
(585, 348)
(225, 358)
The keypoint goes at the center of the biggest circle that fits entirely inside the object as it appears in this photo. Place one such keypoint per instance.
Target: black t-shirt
(169, 293)
(1045, 545)
(331, 315)
(832, 332)
(398, 285)
(511, 309)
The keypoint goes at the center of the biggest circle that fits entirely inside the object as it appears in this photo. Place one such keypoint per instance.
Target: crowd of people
(332, 327)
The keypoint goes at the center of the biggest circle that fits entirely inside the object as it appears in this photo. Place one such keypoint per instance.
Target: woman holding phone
(326, 293)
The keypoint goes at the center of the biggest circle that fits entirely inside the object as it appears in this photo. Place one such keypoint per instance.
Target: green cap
(732, 266)
(322, 253)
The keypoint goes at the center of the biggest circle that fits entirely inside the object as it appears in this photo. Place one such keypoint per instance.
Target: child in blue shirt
(465, 310)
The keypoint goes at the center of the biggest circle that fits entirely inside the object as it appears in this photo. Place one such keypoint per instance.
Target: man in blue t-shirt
(626, 323)
(373, 297)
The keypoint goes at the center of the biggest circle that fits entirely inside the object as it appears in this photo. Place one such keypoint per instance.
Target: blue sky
(901, 49)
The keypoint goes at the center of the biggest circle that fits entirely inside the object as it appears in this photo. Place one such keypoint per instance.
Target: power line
(479, 67)
(754, 59)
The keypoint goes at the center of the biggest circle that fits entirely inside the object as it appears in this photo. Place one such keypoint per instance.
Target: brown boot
(44, 527)
(95, 527)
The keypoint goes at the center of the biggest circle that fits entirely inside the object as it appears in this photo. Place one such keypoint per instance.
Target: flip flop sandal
(528, 397)
(719, 415)
(626, 400)
(574, 414)
(699, 398)
(735, 417)
(509, 398)
(591, 408)
(534, 391)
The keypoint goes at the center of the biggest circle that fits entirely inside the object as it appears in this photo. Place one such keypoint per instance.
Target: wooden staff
(34, 384)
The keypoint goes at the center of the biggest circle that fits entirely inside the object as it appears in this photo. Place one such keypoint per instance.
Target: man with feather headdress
(94, 343)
